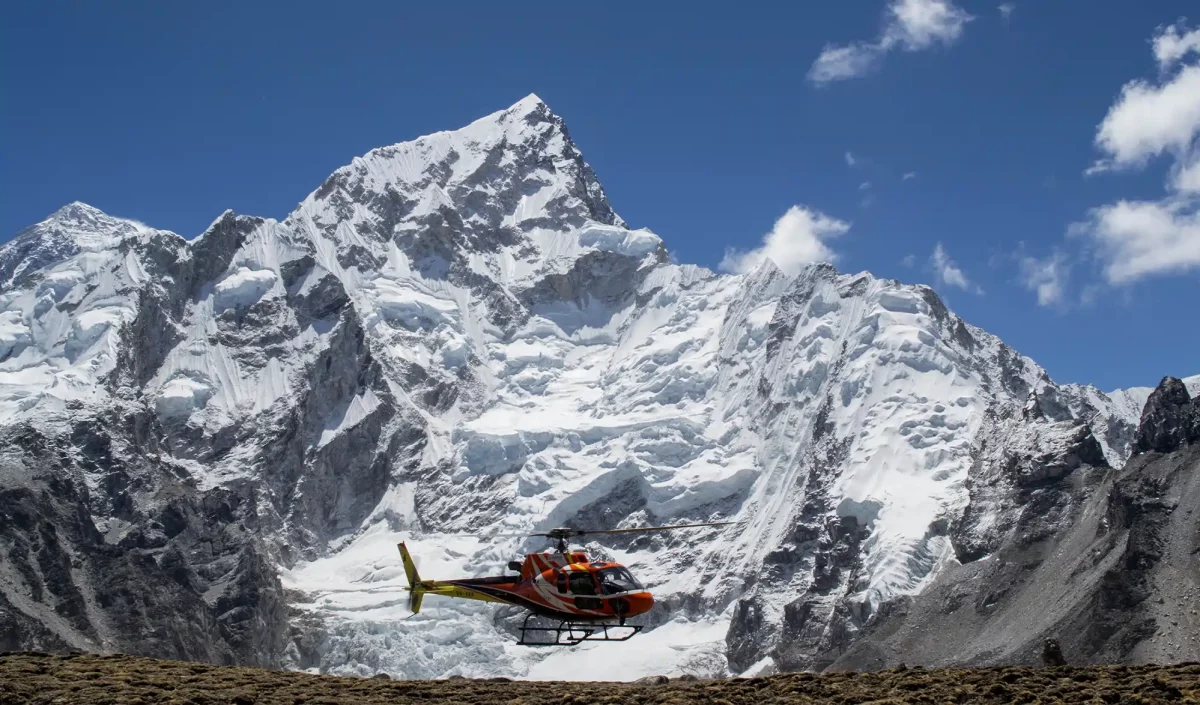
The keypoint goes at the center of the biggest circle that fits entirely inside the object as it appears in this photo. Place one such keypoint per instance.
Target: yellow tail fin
(416, 589)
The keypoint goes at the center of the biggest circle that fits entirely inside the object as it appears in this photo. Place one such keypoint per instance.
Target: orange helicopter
(591, 600)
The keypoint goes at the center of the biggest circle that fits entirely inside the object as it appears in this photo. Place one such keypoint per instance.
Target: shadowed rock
(1170, 418)
(1052, 654)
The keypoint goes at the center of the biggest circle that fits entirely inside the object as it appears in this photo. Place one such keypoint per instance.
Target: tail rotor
(415, 587)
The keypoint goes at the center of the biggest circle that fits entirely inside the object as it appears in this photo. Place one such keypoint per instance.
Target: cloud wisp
(909, 25)
(1045, 277)
(800, 237)
(1174, 43)
(949, 273)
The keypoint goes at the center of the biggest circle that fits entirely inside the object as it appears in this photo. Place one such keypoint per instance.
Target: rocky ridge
(1105, 563)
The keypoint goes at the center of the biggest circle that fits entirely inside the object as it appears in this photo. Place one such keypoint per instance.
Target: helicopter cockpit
(616, 580)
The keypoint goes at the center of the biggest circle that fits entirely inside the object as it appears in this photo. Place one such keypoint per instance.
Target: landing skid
(572, 633)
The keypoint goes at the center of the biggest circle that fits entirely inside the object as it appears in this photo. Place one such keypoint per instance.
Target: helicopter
(591, 600)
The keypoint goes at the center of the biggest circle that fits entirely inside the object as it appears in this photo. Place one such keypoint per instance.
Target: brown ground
(86, 678)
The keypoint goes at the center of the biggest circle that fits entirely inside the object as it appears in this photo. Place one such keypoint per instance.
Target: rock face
(189, 578)
(209, 448)
(1170, 420)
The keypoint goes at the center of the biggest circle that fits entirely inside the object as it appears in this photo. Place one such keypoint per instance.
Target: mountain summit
(209, 448)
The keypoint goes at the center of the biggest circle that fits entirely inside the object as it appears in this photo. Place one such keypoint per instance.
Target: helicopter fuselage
(564, 586)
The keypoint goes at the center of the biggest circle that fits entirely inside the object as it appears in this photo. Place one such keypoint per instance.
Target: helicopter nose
(639, 603)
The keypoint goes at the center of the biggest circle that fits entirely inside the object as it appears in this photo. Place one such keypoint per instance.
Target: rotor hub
(560, 536)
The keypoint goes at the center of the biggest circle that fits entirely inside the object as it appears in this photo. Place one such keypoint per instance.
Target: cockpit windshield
(616, 580)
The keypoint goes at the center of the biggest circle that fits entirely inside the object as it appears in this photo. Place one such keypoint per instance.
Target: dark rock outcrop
(1052, 655)
(1170, 419)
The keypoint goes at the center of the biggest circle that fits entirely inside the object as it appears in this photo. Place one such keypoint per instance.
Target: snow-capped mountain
(212, 446)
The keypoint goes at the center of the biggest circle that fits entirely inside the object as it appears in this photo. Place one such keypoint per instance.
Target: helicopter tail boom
(484, 589)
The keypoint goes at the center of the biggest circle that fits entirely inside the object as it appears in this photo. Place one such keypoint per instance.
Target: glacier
(458, 336)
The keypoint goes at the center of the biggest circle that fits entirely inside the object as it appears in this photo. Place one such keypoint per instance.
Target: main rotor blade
(582, 532)
(563, 533)
(493, 536)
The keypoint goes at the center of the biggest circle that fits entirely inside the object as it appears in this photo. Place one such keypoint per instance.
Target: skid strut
(571, 633)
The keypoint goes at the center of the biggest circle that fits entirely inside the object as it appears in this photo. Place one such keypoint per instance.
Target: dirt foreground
(86, 678)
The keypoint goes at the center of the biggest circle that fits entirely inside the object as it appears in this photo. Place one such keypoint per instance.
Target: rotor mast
(560, 536)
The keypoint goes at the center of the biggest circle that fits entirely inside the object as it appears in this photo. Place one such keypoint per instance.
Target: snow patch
(359, 408)
(14, 334)
(610, 238)
(243, 288)
(402, 303)
(182, 395)
(58, 284)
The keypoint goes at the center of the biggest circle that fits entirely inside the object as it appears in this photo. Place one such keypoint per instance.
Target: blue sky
(705, 124)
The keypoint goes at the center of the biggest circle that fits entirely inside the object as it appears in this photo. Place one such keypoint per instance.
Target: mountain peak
(77, 210)
(78, 216)
(529, 104)
(84, 222)
(67, 231)
(516, 170)
(85, 225)
(529, 119)
(530, 110)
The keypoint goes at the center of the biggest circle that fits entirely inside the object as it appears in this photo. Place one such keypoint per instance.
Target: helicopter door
(583, 586)
(560, 580)
(582, 583)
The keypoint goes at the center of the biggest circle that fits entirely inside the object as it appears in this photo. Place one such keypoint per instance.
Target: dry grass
(130, 680)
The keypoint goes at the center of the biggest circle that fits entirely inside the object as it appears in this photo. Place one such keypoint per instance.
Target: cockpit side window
(618, 580)
(582, 583)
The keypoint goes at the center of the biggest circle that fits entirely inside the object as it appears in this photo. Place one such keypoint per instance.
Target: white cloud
(1174, 43)
(1149, 119)
(919, 24)
(839, 63)
(799, 238)
(909, 261)
(1142, 238)
(909, 25)
(948, 272)
(1047, 277)
(909, 175)
(864, 186)
(1138, 239)
(850, 160)
(1006, 10)
(1186, 177)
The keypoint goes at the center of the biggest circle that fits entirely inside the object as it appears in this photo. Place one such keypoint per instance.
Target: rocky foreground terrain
(124, 680)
